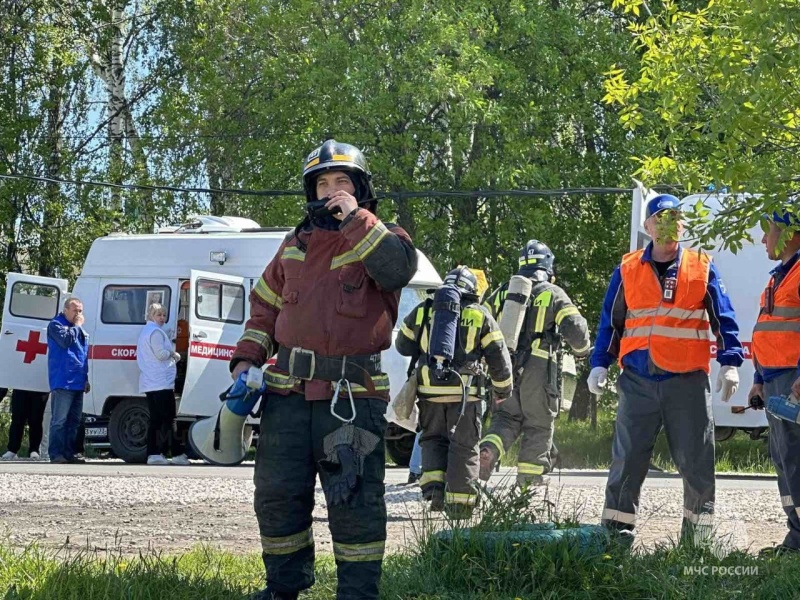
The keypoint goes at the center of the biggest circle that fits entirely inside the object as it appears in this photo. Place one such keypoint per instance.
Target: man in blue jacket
(68, 371)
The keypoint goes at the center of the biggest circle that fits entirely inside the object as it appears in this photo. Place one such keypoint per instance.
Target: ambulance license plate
(97, 432)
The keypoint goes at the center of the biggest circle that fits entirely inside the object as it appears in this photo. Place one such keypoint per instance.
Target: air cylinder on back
(516, 304)
(444, 329)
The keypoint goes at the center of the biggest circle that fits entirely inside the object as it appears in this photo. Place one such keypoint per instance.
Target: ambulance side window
(217, 301)
(34, 301)
(127, 304)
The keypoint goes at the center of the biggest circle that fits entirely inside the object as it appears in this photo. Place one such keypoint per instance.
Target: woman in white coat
(157, 359)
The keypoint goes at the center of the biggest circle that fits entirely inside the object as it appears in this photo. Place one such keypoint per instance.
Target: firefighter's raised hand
(241, 367)
(346, 203)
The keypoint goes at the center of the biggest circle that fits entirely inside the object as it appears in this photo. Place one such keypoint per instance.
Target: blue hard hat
(784, 217)
(662, 202)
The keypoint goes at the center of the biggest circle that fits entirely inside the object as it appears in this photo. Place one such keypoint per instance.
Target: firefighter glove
(727, 382)
(598, 377)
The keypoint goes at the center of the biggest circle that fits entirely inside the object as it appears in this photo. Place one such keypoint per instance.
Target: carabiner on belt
(346, 383)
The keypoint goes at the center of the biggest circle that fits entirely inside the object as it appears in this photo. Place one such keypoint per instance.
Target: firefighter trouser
(784, 450)
(531, 411)
(290, 447)
(450, 462)
(682, 406)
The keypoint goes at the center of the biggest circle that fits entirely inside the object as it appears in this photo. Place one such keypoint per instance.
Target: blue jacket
(778, 273)
(67, 355)
(612, 325)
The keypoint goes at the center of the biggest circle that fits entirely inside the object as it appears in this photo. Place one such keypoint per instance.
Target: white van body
(745, 274)
(203, 277)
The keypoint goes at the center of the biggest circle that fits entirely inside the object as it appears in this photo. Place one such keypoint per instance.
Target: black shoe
(59, 460)
(76, 460)
(268, 594)
(413, 478)
(779, 550)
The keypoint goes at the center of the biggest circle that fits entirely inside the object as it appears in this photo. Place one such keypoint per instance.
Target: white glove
(597, 380)
(727, 382)
(176, 357)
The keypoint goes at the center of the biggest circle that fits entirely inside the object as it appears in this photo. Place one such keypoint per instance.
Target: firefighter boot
(488, 460)
(434, 492)
(268, 594)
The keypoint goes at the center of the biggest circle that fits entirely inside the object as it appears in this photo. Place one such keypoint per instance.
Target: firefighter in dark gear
(776, 352)
(451, 408)
(326, 304)
(550, 316)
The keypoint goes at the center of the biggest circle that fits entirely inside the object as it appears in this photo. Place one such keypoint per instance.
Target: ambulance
(202, 272)
(744, 275)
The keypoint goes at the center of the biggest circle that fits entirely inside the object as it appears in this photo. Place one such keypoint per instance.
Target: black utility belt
(307, 364)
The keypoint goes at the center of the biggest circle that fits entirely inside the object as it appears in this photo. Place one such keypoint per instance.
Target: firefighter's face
(665, 227)
(333, 181)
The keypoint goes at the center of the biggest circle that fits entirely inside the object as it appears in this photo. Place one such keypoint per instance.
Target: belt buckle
(311, 362)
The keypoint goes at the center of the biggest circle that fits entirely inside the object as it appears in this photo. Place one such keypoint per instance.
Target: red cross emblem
(32, 347)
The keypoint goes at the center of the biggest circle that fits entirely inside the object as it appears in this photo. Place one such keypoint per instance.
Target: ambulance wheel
(127, 430)
(723, 433)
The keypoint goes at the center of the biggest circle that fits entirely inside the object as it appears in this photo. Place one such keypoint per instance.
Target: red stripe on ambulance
(98, 352)
(211, 351)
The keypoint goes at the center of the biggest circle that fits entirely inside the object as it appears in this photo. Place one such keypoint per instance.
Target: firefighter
(655, 322)
(326, 304)
(776, 350)
(547, 314)
(451, 406)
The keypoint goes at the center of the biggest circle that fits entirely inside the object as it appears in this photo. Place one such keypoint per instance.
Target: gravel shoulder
(174, 511)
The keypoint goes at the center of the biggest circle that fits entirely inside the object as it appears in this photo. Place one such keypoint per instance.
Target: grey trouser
(450, 461)
(784, 450)
(531, 411)
(682, 406)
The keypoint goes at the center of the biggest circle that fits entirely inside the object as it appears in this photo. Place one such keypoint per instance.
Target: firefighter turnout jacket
(551, 316)
(479, 336)
(333, 292)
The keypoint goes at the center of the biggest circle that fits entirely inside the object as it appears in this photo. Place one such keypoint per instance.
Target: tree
(717, 86)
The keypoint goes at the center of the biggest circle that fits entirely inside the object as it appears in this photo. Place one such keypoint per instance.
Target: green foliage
(715, 90)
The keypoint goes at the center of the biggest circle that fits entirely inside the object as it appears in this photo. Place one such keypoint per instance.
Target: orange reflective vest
(676, 334)
(776, 336)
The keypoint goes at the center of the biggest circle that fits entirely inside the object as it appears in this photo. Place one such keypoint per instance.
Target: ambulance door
(217, 313)
(30, 304)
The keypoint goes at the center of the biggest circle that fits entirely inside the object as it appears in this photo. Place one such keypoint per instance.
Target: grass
(460, 569)
(580, 447)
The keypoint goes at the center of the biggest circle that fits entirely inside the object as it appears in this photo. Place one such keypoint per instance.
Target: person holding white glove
(660, 304)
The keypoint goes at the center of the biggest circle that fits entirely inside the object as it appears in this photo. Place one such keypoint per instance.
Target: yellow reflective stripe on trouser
(431, 477)
(366, 246)
(610, 514)
(287, 544)
(495, 441)
(529, 469)
(456, 498)
(359, 552)
(263, 291)
(566, 312)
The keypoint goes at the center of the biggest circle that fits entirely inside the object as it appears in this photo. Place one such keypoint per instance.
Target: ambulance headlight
(218, 256)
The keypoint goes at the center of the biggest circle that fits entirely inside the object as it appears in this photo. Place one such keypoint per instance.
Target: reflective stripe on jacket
(776, 336)
(676, 333)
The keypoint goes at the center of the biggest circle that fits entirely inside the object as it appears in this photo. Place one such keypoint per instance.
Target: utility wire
(276, 193)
